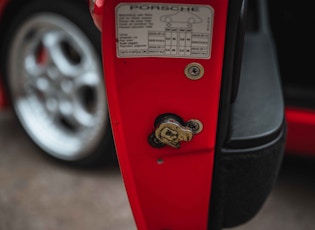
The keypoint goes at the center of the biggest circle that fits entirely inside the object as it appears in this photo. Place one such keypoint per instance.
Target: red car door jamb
(163, 65)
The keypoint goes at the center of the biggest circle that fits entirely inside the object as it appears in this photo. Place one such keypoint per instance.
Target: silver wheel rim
(57, 90)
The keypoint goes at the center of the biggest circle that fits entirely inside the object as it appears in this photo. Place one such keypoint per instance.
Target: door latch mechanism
(171, 129)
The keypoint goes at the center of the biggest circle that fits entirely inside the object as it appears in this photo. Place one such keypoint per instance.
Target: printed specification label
(164, 30)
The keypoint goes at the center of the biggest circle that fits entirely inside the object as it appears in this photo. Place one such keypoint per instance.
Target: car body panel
(3, 101)
(168, 188)
(301, 131)
(294, 114)
(3, 4)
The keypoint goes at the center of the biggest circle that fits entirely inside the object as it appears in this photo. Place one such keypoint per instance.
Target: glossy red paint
(3, 3)
(167, 188)
(96, 9)
(301, 131)
(3, 101)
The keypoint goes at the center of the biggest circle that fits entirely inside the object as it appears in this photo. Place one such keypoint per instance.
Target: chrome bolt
(195, 125)
(194, 71)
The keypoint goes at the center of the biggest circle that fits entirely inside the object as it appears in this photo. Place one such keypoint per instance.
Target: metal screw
(195, 125)
(194, 71)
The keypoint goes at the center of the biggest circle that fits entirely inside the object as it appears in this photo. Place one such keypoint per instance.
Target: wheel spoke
(74, 114)
(53, 44)
(66, 108)
(83, 119)
(52, 107)
(31, 67)
(90, 79)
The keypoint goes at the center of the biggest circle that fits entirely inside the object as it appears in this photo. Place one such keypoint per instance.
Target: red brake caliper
(163, 67)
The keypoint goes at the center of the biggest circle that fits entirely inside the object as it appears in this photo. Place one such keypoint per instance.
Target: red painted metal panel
(301, 131)
(3, 3)
(167, 188)
(96, 10)
(3, 101)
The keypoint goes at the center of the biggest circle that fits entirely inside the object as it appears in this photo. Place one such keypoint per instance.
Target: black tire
(75, 14)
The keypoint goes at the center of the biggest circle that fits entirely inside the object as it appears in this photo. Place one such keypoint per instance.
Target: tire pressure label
(164, 30)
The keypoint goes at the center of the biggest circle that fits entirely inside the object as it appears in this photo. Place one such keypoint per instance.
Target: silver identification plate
(164, 30)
